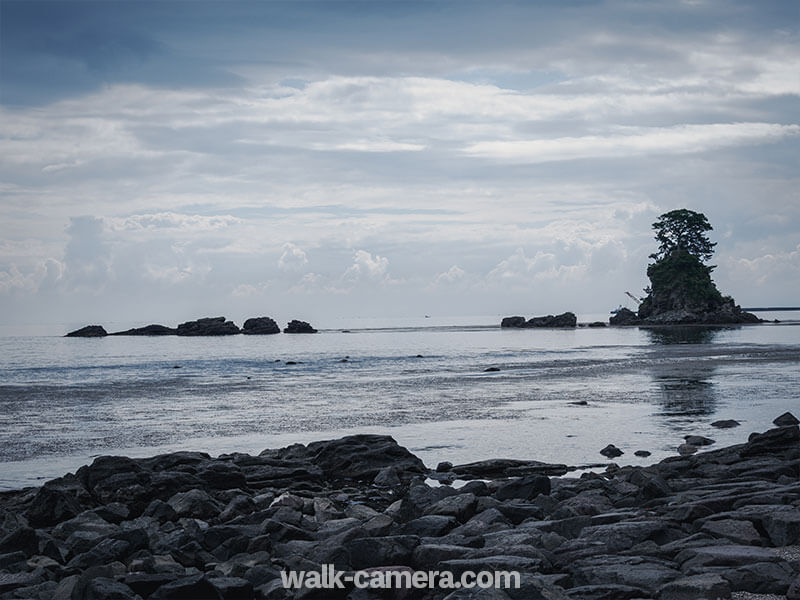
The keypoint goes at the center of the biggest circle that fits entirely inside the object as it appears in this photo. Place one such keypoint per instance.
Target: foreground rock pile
(185, 525)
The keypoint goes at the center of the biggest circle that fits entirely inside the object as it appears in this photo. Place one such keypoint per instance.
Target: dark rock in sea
(295, 326)
(642, 453)
(260, 326)
(444, 466)
(785, 420)
(567, 319)
(698, 440)
(491, 369)
(611, 451)
(148, 330)
(725, 424)
(513, 322)
(507, 467)
(624, 316)
(88, 331)
(687, 449)
(597, 324)
(208, 326)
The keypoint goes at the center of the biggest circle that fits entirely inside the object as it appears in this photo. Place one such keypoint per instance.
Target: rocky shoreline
(715, 524)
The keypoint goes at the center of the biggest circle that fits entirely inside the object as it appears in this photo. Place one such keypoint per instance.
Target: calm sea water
(65, 400)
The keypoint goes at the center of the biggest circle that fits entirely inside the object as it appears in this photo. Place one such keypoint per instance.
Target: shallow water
(65, 400)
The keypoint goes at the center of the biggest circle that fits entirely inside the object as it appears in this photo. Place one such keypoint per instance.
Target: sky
(163, 161)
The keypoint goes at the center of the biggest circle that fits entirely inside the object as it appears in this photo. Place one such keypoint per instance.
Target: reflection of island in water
(684, 334)
(686, 390)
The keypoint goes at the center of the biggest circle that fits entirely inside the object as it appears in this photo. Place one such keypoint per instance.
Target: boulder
(88, 331)
(787, 419)
(295, 326)
(725, 423)
(208, 326)
(611, 451)
(359, 457)
(260, 326)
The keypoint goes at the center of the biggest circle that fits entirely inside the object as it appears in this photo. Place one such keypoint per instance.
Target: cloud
(680, 139)
(453, 275)
(367, 268)
(293, 258)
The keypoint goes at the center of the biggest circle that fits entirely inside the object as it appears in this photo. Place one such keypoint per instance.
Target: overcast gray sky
(161, 161)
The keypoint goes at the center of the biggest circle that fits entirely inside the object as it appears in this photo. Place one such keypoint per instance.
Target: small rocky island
(185, 525)
(207, 326)
(681, 289)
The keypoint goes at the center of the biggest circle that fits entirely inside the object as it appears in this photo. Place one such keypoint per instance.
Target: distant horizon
(332, 159)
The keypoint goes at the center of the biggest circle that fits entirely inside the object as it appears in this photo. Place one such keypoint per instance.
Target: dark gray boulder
(260, 326)
(295, 326)
(208, 326)
(88, 331)
(611, 451)
(725, 424)
(787, 419)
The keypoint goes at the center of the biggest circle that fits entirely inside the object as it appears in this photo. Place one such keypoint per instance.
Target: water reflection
(686, 389)
(685, 334)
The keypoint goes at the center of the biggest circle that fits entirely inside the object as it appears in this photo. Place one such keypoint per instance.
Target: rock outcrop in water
(681, 289)
(208, 326)
(185, 525)
(260, 326)
(88, 331)
(295, 326)
(564, 320)
(148, 330)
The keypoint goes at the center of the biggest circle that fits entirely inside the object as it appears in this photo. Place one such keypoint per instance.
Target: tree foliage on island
(679, 279)
(683, 230)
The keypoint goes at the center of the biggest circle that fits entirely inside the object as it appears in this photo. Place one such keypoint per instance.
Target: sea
(449, 389)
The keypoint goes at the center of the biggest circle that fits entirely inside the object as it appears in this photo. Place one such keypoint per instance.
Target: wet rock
(698, 440)
(507, 467)
(295, 326)
(642, 453)
(260, 326)
(197, 587)
(686, 449)
(773, 440)
(785, 420)
(611, 451)
(88, 331)
(725, 424)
